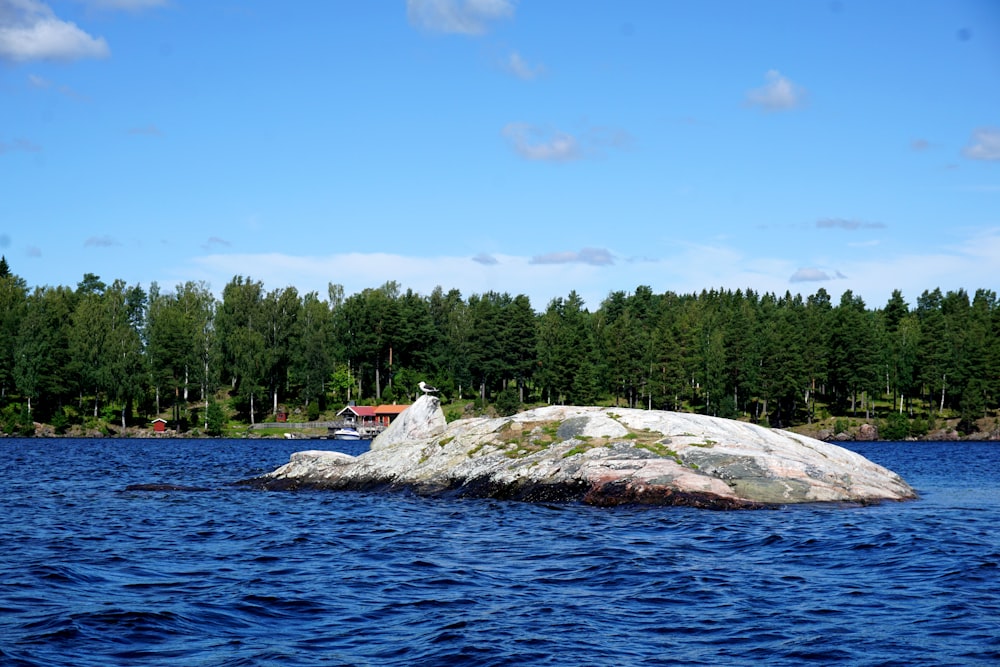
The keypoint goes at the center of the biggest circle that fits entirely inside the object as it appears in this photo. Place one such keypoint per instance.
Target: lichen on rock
(599, 456)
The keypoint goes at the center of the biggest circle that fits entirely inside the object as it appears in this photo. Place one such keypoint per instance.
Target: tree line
(120, 352)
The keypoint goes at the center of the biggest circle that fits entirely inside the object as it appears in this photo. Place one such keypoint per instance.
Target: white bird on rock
(426, 388)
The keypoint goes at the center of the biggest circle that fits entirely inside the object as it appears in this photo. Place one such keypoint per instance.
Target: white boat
(346, 434)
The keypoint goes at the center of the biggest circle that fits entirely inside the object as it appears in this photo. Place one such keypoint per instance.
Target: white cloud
(543, 144)
(849, 225)
(40, 83)
(30, 30)
(535, 143)
(778, 94)
(465, 17)
(520, 67)
(127, 5)
(592, 256)
(100, 242)
(214, 242)
(814, 275)
(984, 145)
(21, 145)
(683, 268)
(485, 259)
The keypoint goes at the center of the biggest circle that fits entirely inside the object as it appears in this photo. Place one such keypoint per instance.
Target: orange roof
(390, 409)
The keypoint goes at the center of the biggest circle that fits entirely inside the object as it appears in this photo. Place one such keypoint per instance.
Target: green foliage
(895, 426)
(774, 359)
(972, 406)
(660, 449)
(60, 421)
(507, 402)
(15, 420)
(312, 411)
(728, 408)
(215, 419)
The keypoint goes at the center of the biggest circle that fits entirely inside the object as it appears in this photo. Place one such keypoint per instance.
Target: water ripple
(91, 575)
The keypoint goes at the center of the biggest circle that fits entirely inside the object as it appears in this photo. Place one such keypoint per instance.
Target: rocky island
(600, 456)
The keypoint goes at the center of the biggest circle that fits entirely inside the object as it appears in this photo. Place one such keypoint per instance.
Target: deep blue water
(93, 575)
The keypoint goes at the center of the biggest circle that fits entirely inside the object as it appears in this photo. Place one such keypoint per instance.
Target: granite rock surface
(601, 456)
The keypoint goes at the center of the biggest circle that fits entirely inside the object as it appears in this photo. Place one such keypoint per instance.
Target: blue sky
(526, 146)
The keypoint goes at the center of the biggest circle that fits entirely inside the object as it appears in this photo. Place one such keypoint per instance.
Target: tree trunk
(252, 422)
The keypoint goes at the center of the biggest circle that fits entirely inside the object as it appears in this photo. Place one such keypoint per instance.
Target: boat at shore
(346, 433)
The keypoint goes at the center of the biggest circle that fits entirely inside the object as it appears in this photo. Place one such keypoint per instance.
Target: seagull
(426, 388)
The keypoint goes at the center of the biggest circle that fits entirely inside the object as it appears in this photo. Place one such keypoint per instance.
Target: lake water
(93, 575)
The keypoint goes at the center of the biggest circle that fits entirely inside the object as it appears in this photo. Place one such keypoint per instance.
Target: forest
(102, 354)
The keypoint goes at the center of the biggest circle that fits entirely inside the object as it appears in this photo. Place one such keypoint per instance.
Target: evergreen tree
(241, 325)
(13, 302)
(281, 309)
(311, 362)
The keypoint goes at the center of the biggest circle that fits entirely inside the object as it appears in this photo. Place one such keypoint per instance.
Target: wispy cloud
(683, 268)
(521, 68)
(778, 94)
(544, 144)
(215, 242)
(100, 242)
(591, 256)
(126, 5)
(849, 225)
(21, 145)
(30, 30)
(485, 259)
(984, 145)
(920, 145)
(465, 17)
(34, 251)
(806, 275)
(41, 83)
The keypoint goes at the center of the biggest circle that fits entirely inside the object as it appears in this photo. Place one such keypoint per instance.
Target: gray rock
(423, 419)
(602, 456)
(867, 432)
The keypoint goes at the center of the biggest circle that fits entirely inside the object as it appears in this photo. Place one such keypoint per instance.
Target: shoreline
(863, 432)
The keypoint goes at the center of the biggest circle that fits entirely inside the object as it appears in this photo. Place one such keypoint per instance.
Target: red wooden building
(385, 414)
(358, 415)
